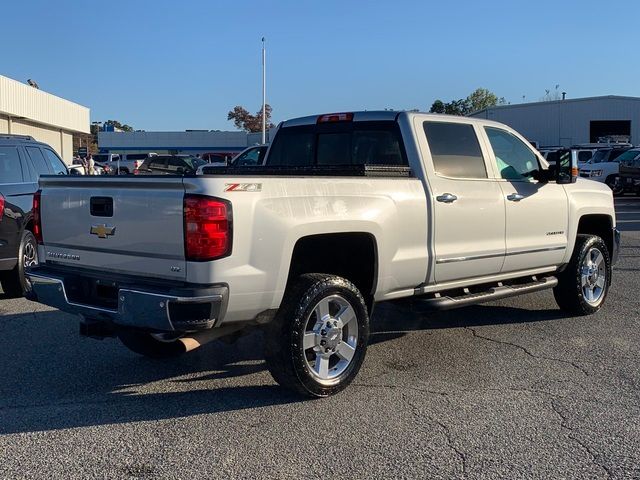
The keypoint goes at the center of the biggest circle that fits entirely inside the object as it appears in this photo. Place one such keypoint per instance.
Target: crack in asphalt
(585, 447)
(527, 352)
(446, 431)
(400, 387)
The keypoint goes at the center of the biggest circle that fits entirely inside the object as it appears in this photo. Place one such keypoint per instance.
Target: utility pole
(264, 93)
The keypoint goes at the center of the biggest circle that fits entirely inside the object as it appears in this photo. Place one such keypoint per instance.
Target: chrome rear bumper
(153, 310)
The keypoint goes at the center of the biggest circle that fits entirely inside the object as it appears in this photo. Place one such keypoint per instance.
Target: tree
(437, 107)
(457, 107)
(243, 120)
(482, 98)
(454, 107)
(479, 99)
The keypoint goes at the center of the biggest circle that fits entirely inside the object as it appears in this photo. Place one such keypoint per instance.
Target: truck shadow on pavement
(392, 321)
(51, 379)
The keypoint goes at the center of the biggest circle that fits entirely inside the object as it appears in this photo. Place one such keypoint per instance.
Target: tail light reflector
(207, 228)
(37, 219)
(1, 207)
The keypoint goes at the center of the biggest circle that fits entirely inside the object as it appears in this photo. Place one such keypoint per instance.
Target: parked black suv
(22, 161)
(629, 177)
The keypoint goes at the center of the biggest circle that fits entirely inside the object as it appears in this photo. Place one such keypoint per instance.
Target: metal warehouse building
(26, 110)
(571, 121)
(190, 141)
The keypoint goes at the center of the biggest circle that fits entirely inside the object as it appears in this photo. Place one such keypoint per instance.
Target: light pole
(264, 94)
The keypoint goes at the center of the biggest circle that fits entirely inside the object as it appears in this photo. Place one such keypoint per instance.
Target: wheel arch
(351, 255)
(598, 224)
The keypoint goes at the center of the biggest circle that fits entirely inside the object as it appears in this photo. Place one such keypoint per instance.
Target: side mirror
(566, 170)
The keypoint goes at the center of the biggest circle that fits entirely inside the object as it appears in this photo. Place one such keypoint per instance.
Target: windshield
(101, 158)
(194, 162)
(600, 156)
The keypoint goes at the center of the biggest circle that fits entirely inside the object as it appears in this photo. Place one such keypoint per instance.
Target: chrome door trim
(508, 254)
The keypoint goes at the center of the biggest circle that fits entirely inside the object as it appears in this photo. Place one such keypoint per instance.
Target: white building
(571, 121)
(25, 110)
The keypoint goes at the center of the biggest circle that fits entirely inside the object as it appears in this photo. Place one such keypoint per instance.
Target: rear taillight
(207, 228)
(37, 220)
(1, 207)
(137, 163)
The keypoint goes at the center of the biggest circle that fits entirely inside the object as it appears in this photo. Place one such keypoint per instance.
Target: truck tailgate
(125, 225)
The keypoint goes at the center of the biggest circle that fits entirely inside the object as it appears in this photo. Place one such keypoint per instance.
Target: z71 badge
(242, 187)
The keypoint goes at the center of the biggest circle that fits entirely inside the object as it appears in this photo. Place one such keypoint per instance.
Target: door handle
(446, 198)
(515, 197)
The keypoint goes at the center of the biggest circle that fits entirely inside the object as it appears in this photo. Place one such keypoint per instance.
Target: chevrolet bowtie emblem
(102, 230)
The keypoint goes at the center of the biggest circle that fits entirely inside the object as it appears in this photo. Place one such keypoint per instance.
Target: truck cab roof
(378, 116)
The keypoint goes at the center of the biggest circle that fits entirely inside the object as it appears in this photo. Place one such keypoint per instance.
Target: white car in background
(604, 166)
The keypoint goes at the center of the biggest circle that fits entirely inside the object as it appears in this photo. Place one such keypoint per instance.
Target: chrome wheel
(593, 276)
(30, 254)
(330, 338)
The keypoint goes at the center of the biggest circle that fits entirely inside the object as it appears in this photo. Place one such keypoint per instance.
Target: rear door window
(455, 150)
(10, 167)
(58, 166)
(38, 161)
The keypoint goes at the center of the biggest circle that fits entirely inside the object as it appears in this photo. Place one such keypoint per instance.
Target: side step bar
(446, 302)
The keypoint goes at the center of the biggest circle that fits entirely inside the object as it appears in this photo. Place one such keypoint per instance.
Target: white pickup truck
(347, 210)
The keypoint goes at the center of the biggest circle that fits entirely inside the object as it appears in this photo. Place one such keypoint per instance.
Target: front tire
(317, 341)
(14, 282)
(584, 284)
(151, 345)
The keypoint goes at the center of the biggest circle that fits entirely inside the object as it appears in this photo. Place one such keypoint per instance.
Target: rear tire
(150, 345)
(584, 284)
(317, 341)
(14, 282)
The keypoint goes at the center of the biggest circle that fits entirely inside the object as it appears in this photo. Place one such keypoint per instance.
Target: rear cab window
(339, 143)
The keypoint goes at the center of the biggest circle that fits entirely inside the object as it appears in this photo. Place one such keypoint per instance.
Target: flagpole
(264, 94)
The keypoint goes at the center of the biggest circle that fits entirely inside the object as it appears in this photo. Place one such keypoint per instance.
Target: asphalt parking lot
(510, 389)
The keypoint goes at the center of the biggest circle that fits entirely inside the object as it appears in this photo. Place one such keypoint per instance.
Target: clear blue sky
(169, 65)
